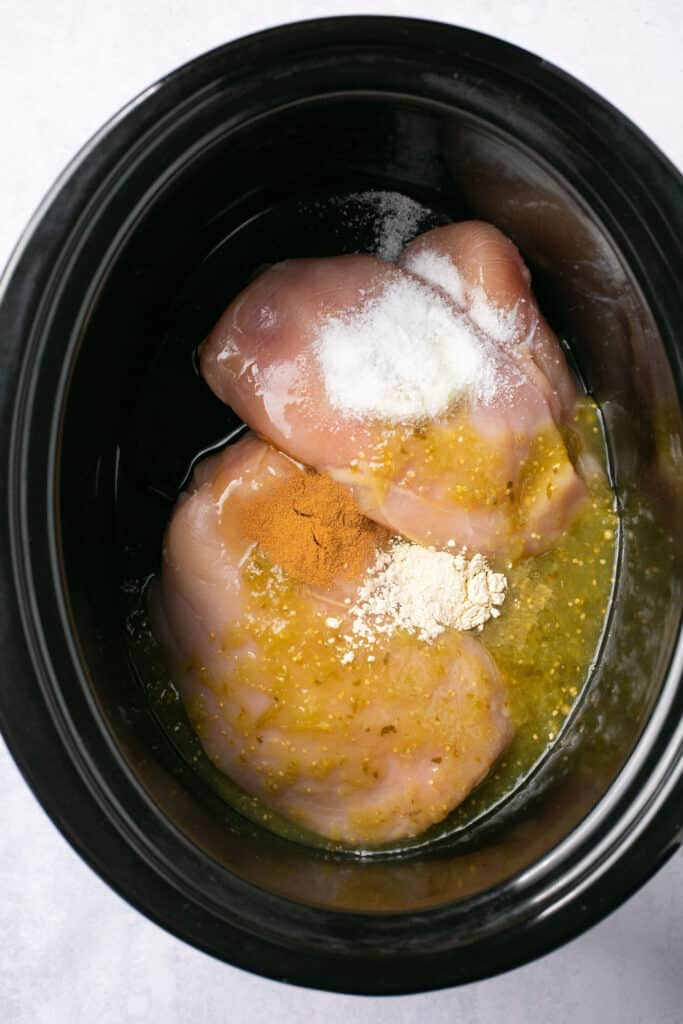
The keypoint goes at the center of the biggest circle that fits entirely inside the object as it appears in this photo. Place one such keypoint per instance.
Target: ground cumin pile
(312, 528)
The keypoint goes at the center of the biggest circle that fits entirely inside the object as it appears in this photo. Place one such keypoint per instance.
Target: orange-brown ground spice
(311, 527)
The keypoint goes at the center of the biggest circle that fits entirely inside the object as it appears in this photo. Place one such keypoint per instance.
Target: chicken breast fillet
(491, 475)
(365, 750)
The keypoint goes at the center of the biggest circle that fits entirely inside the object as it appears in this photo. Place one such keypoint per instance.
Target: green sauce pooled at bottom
(545, 641)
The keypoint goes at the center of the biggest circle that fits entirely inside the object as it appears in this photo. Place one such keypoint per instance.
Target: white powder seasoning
(497, 323)
(397, 222)
(424, 591)
(394, 219)
(438, 270)
(405, 354)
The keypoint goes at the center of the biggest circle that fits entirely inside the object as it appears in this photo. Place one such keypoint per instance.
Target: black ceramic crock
(208, 169)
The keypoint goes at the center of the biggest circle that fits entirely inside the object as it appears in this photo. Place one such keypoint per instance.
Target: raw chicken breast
(260, 357)
(364, 750)
(481, 270)
(493, 476)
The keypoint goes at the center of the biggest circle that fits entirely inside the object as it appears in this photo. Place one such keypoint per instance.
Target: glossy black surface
(144, 240)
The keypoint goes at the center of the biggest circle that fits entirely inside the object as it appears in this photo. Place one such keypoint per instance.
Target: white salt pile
(438, 270)
(404, 355)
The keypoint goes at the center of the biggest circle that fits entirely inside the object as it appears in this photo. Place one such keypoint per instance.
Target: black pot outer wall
(200, 158)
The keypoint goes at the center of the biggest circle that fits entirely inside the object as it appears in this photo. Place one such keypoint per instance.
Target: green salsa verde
(544, 644)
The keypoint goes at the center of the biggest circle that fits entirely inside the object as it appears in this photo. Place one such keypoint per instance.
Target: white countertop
(73, 951)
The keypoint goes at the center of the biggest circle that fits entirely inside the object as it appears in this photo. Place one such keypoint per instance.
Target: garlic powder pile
(424, 592)
(404, 355)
